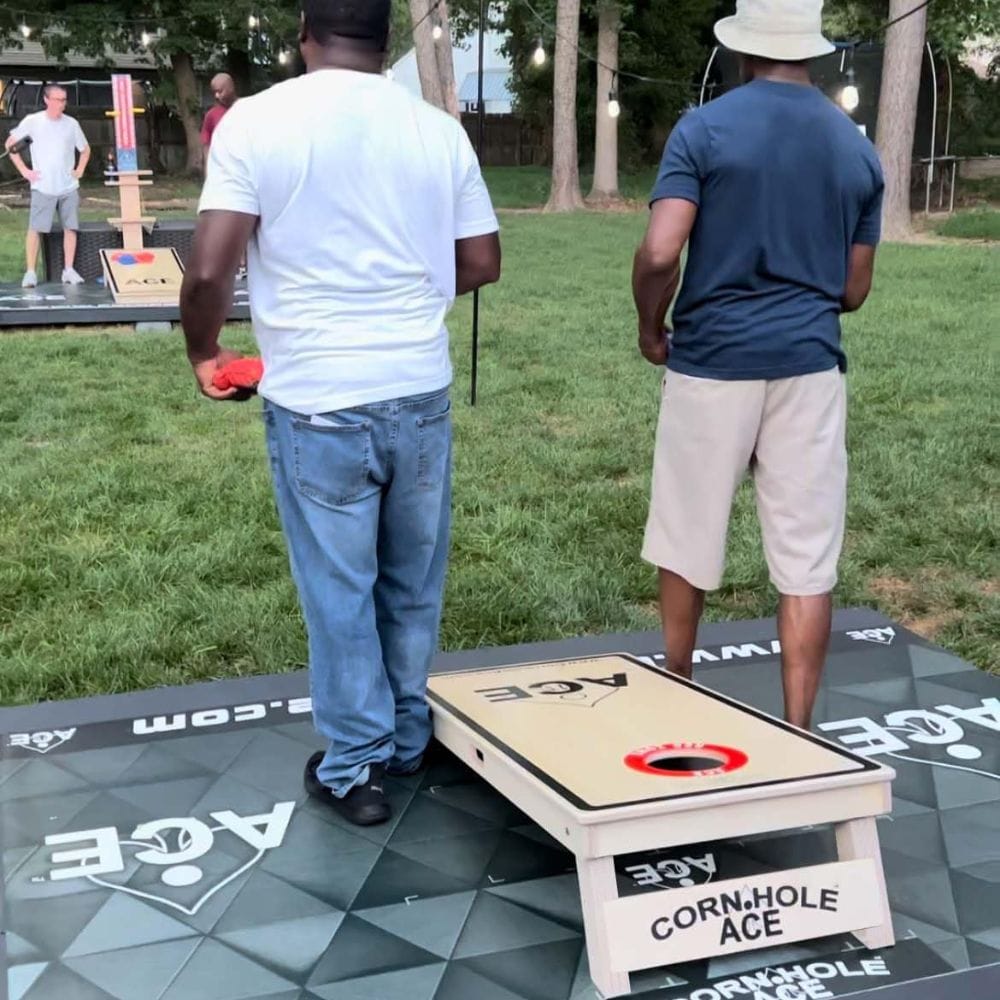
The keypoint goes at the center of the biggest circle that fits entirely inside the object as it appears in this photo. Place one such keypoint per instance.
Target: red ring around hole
(729, 759)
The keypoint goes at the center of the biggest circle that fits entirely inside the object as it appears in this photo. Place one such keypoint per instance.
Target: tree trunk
(897, 114)
(565, 194)
(446, 63)
(188, 107)
(427, 60)
(605, 187)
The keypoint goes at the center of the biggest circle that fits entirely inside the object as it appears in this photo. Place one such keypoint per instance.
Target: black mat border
(981, 982)
(209, 694)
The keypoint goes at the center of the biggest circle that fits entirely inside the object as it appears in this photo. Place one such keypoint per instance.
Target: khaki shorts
(790, 435)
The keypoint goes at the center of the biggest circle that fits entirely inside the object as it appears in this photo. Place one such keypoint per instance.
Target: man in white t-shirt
(365, 213)
(54, 176)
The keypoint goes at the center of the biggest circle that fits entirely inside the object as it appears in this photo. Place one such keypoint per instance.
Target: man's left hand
(205, 370)
(78, 174)
(654, 347)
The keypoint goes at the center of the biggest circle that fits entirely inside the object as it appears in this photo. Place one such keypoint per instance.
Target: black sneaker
(363, 805)
(434, 753)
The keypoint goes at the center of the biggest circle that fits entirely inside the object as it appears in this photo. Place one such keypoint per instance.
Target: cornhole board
(149, 277)
(611, 756)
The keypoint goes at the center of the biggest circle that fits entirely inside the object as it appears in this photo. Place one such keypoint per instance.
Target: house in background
(497, 93)
(497, 96)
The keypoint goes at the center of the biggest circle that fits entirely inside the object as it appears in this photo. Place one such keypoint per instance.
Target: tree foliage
(667, 40)
(949, 22)
(252, 39)
(210, 33)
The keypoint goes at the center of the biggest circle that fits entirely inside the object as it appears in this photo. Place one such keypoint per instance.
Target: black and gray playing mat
(159, 846)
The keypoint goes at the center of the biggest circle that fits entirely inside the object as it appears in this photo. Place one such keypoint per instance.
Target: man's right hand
(32, 176)
(655, 347)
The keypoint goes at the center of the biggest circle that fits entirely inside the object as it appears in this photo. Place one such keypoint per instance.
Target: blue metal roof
(496, 86)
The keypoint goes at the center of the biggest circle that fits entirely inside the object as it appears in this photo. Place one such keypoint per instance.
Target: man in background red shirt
(224, 92)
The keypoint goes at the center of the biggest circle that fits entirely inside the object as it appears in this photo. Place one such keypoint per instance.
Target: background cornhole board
(150, 276)
(611, 756)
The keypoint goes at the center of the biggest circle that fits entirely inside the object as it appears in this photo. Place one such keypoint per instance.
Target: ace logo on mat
(41, 742)
(170, 861)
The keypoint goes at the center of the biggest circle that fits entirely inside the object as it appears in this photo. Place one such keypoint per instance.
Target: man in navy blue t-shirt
(778, 196)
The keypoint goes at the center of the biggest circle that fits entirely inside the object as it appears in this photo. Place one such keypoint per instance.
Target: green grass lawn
(511, 187)
(139, 544)
(975, 224)
(528, 187)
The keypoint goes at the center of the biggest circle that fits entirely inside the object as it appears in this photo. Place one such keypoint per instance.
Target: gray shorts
(43, 210)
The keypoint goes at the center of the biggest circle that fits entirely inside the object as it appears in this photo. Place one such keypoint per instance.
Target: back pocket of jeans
(331, 461)
(433, 448)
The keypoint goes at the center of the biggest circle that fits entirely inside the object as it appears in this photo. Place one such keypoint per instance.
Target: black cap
(361, 19)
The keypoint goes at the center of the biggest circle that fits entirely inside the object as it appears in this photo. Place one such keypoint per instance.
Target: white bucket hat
(782, 30)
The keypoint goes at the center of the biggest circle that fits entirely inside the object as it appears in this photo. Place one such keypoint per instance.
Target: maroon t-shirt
(211, 122)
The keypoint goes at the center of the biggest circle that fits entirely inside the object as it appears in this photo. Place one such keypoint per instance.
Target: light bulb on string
(539, 55)
(614, 107)
(253, 22)
(26, 31)
(283, 57)
(389, 75)
(145, 39)
(436, 32)
(850, 97)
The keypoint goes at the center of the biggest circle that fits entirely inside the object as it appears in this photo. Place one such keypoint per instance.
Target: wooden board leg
(858, 839)
(597, 887)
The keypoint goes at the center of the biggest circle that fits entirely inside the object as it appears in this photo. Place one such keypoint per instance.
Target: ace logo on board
(581, 692)
(172, 861)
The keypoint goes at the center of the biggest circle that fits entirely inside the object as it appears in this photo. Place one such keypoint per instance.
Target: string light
(26, 31)
(539, 55)
(389, 75)
(283, 57)
(850, 98)
(145, 39)
(614, 108)
(436, 32)
(253, 22)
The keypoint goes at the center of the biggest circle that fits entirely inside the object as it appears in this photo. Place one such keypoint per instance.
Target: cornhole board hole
(611, 757)
(149, 277)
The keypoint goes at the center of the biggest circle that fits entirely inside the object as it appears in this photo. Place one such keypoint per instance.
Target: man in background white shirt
(54, 177)
(366, 214)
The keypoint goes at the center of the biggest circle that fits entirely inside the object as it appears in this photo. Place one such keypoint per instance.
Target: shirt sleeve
(869, 228)
(474, 215)
(79, 138)
(206, 129)
(21, 130)
(683, 166)
(230, 180)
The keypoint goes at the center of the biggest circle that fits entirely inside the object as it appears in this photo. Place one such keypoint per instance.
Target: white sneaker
(29, 280)
(70, 277)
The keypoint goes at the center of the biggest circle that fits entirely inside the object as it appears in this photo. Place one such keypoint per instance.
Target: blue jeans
(364, 500)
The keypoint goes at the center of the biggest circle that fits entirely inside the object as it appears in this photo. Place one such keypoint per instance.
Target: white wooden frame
(850, 801)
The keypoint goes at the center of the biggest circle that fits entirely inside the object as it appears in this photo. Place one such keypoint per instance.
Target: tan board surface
(575, 723)
(152, 277)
